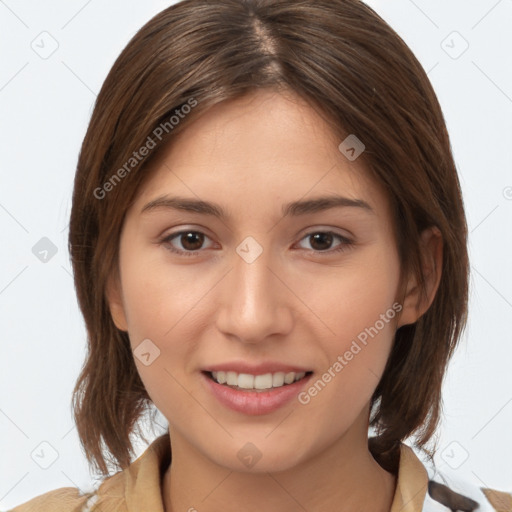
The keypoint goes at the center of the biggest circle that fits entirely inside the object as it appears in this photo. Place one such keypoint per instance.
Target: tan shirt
(139, 488)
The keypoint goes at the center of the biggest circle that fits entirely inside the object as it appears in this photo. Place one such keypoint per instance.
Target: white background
(45, 105)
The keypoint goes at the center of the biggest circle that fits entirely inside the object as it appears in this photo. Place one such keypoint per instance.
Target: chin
(259, 457)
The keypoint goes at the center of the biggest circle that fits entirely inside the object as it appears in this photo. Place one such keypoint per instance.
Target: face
(264, 292)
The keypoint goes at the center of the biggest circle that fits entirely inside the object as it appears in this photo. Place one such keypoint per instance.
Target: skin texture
(298, 303)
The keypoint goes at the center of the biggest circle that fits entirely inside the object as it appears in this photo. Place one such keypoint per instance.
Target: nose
(255, 303)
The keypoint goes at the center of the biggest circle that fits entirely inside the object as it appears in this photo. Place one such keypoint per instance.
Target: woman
(269, 246)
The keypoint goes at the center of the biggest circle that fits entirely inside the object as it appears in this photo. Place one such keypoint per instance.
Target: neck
(343, 478)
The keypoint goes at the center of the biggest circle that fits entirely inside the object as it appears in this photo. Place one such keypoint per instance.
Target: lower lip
(255, 402)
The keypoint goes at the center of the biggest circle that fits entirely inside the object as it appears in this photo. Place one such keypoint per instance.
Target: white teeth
(259, 382)
(231, 379)
(246, 381)
(278, 379)
(263, 381)
(289, 377)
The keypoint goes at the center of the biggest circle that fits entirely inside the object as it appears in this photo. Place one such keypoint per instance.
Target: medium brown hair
(342, 58)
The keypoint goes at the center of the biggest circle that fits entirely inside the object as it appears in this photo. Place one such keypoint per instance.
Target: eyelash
(345, 245)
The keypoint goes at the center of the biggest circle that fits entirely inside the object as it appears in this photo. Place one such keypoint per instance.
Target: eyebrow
(294, 208)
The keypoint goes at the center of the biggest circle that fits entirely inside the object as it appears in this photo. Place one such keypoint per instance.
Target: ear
(415, 303)
(114, 298)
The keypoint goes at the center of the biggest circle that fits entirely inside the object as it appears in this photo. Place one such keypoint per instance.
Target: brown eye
(186, 243)
(191, 240)
(321, 241)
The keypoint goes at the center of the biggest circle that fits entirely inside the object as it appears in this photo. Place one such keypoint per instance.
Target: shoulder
(421, 487)
(448, 494)
(138, 484)
(65, 499)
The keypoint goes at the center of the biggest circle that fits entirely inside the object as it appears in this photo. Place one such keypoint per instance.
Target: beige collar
(412, 483)
(139, 487)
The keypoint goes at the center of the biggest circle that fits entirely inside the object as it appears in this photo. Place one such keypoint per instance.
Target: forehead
(263, 148)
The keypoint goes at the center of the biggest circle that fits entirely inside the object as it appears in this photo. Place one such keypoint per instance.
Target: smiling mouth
(249, 382)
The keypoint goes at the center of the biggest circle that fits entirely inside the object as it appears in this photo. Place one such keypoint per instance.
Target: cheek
(354, 297)
(359, 308)
(160, 305)
(355, 359)
(157, 298)
(163, 307)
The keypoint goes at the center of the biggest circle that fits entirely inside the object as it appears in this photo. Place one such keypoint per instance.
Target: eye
(190, 241)
(321, 242)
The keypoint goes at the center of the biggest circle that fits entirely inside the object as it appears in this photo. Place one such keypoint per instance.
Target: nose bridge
(254, 304)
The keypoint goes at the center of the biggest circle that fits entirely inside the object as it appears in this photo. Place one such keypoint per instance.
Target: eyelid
(344, 233)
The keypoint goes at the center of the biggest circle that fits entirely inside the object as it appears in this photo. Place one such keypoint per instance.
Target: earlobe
(114, 300)
(417, 301)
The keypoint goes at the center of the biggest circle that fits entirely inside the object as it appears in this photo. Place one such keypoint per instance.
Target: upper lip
(255, 369)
